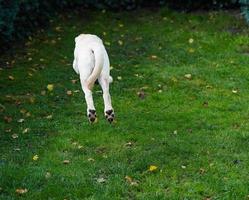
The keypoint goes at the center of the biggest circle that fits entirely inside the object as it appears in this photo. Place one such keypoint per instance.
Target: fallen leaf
(27, 114)
(58, 29)
(107, 43)
(141, 94)
(202, 170)
(191, 40)
(14, 136)
(90, 159)
(174, 79)
(49, 117)
(21, 191)
(23, 111)
(26, 130)
(152, 168)
(234, 91)
(120, 42)
(74, 81)
(32, 99)
(69, 93)
(7, 119)
(153, 57)
(128, 178)
(47, 175)
(11, 78)
(43, 92)
(35, 157)
(50, 87)
(101, 180)
(191, 50)
(66, 162)
(188, 76)
(8, 130)
(20, 120)
(183, 167)
(129, 144)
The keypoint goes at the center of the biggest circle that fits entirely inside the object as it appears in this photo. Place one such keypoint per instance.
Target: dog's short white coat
(91, 62)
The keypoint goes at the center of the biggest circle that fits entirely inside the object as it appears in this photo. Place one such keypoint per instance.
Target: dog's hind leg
(91, 112)
(109, 112)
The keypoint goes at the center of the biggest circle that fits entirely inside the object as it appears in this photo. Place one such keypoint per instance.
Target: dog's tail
(99, 61)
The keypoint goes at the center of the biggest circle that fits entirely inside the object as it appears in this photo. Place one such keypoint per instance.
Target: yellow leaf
(234, 91)
(152, 168)
(128, 179)
(26, 130)
(90, 159)
(107, 43)
(21, 191)
(188, 76)
(66, 161)
(50, 87)
(191, 50)
(153, 56)
(120, 42)
(69, 92)
(11, 78)
(191, 40)
(35, 157)
(14, 136)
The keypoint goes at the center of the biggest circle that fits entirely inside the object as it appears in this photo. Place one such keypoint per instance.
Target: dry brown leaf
(7, 119)
(74, 81)
(141, 94)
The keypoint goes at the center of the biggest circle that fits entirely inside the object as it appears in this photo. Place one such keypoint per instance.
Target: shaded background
(19, 18)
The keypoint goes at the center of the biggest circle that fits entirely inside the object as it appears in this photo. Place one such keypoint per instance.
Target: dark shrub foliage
(245, 8)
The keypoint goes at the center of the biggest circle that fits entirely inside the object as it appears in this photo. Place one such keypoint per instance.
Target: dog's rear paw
(109, 114)
(92, 117)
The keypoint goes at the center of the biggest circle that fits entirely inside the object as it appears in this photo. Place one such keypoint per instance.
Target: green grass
(196, 131)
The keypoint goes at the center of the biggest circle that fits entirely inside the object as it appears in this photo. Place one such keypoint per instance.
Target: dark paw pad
(109, 114)
(92, 117)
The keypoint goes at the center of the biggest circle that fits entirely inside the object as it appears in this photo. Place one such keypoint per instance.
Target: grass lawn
(180, 94)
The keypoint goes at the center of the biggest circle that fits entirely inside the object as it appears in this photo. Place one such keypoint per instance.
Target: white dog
(91, 62)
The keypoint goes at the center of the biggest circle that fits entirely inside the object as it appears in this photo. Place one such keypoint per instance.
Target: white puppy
(91, 62)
